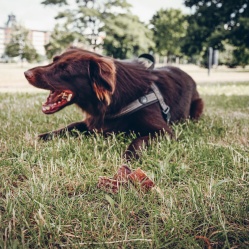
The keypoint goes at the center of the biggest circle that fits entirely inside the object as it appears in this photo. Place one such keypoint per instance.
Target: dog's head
(77, 76)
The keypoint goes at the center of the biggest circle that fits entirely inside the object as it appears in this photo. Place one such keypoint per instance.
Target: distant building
(38, 38)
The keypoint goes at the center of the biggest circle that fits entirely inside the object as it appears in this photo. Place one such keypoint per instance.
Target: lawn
(48, 190)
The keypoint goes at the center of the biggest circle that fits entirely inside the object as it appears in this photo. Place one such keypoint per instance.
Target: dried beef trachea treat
(139, 178)
(109, 185)
(122, 173)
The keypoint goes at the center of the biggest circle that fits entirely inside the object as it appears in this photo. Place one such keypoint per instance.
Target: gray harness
(142, 102)
(145, 100)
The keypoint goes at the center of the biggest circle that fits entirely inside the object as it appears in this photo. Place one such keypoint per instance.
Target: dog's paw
(46, 136)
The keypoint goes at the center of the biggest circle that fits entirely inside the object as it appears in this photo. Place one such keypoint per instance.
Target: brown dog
(102, 87)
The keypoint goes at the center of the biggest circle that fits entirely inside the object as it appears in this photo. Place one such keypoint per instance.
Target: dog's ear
(102, 73)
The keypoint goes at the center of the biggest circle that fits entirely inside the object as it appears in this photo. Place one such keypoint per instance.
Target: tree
(97, 19)
(215, 21)
(217, 12)
(88, 16)
(169, 28)
(241, 56)
(19, 44)
(60, 39)
(126, 36)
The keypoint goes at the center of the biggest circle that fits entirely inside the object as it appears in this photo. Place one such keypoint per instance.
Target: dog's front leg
(79, 126)
(134, 150)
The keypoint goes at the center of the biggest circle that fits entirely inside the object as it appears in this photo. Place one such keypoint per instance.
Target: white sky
(32, 14)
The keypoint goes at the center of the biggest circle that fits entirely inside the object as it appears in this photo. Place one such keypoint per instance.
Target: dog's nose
(29, 75)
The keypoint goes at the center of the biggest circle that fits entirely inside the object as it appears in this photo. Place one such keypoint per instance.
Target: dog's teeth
(69, 97)
(46, 108)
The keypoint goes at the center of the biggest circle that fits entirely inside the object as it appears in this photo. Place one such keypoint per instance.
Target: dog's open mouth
(56, 101)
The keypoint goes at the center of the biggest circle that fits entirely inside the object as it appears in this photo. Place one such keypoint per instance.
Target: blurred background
(193, 34)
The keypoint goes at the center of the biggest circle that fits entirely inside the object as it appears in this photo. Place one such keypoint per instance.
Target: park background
(48, 193)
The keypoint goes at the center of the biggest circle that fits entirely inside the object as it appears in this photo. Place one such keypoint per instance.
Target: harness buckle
(166, 114)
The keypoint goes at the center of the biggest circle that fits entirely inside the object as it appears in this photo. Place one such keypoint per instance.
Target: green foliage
(126, 36)
(219, 12)
(200, 36)
(49, 198)
(226, 57)
(19, 45)
(241, 55)
(169, 28)
(108, 24)
(214, 22)
(239, 35)
(233, 56)
(60, 39)
(55, 2)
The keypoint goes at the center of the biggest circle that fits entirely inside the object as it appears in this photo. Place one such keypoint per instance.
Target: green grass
(49, 198)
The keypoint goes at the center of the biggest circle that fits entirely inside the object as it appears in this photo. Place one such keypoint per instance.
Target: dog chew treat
(112, 185)
(139, 178)
(122, 173)
(109, 185)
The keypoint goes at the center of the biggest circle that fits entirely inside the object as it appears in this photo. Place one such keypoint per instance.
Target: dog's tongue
(53, 97)
(56, 100)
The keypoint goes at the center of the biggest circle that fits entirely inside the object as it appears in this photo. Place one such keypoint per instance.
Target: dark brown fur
(102, 86)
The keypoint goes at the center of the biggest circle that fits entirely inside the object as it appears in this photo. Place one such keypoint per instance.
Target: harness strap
(165, 108)
(146, 100)
(136, 105)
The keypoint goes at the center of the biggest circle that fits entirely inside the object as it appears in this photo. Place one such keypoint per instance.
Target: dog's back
(179, 91)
